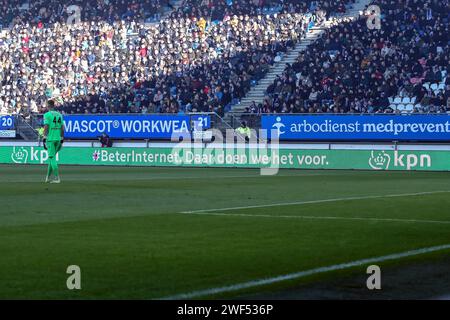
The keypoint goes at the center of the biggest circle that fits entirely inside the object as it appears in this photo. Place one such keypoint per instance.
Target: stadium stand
(131, 67)
(402, 67)
(47, 12)
(217, 10)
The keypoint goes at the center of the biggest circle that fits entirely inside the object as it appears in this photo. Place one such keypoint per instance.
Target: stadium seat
(409, 107)
(397, 100)
(406, 100)
(400, 107)
(434, 86)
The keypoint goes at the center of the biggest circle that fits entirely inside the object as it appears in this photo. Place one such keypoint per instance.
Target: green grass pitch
(126, 229)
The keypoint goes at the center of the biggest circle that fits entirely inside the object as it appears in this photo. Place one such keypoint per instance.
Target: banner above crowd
(358, 127)
(133, 126)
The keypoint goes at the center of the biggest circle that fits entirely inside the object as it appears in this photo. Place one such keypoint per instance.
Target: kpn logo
(381, 160)
(19, 155)
(23, 155)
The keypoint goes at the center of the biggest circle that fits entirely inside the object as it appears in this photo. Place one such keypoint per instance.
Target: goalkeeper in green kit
(53, 139)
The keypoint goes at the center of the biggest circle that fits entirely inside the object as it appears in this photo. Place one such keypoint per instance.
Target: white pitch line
(301, 274)
(317, 217)
(317, 201)
(70, 179)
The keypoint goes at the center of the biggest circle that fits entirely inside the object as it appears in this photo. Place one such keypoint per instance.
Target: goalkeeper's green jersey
(54, 120)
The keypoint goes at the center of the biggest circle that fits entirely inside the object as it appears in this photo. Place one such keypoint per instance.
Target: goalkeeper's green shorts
(53, 148)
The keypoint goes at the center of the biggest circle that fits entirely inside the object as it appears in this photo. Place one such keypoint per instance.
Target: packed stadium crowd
(219, 9)
(206, 55)
(352, 69)
(47, 12)
(188, 63)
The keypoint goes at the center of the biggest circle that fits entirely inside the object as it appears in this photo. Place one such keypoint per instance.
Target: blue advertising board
(132, 126)
(358, 127)
(7, 122)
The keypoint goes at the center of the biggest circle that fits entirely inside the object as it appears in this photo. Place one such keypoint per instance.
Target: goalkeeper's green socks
(55, 171)
(49, 169)
(52, 168)
(55, 167)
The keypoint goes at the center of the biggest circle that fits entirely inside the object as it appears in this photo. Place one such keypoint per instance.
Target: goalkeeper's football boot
(57, 180)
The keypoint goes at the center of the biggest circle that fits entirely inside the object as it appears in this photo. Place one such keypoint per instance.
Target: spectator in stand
(353, 69)
(48, 12)
(188, 62)
(105, 140)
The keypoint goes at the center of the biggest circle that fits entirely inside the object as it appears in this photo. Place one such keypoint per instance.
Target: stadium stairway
(25, 130)
(257, 93)
(176, 4)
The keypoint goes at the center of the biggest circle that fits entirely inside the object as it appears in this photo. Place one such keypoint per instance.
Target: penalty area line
(317, 201)
(301, 274)
(318, 217)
